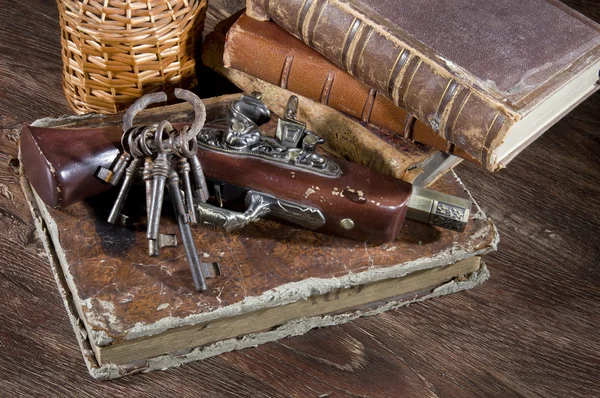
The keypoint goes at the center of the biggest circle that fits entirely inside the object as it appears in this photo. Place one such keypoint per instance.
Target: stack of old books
(407, 88)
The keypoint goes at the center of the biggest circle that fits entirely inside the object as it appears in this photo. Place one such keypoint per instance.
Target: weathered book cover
(266, 51)
(133, 313)
(489, 77)
(387, 153)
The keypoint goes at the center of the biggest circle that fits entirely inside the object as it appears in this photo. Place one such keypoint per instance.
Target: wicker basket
(115, 51)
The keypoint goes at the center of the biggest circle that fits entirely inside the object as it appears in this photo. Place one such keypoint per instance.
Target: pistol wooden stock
(359, 204)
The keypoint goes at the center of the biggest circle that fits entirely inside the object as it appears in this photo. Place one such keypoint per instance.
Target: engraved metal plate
(447, 216)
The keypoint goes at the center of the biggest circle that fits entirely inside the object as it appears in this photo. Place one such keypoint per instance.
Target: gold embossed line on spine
(327, 87)
(302, 17)
(438, 122)
(311, 23)
(348, 40)
(285, 71)
(457, 106)
(368, 107)
(355, 44)
(362, 38)
(409, 74)
(398, 67)
(493, 132)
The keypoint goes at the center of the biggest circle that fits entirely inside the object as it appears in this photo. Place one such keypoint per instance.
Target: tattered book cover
(135, 313)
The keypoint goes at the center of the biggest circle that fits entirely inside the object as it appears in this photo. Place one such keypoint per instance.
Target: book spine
(450, 104)
(266, 51)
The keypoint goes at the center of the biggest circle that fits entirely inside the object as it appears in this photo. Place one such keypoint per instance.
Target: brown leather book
(133, 313)
(488, 76)
(266, 51)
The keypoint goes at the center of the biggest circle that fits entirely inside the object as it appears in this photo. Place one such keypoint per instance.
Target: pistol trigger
(218, 194)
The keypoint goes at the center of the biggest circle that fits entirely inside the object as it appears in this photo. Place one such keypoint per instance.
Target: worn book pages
(133, 313)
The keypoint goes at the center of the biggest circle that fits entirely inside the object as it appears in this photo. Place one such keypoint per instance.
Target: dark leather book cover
(134, 313)
(388, 153)
(488, 76)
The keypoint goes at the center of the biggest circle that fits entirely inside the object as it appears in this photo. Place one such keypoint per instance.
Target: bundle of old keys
(154, 150)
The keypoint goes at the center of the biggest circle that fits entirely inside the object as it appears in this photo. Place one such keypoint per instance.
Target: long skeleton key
(200, 192)
(183, 167)
(148, 177)
(186, 234)
(160, 172)
(130, 173)
(189, 151)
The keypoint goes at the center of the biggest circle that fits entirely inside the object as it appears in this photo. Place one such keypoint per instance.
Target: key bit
(164, 240)
(211, 270)
(167, 240)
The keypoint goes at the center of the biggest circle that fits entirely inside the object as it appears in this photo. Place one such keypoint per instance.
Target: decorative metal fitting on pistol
(439, 209)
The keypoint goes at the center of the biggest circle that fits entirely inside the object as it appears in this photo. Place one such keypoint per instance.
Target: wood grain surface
(532, 330)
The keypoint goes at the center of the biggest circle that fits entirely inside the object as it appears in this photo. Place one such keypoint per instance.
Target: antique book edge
(163, 362)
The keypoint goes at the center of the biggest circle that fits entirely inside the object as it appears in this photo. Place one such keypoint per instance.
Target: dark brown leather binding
(470, 71)
(266, 51)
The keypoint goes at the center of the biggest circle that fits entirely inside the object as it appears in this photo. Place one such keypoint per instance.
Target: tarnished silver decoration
(269, 149)
(214, 217)
(307, 217)
(347, 224)
(438, 209)
(447, 216)
(259, 205)
(289, 130)
(293, 145)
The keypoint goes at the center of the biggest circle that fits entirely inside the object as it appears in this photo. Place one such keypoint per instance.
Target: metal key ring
(144, 138)
(199, 111)
(158, 141)
(133, 142)
(139, 105)
(126, 138)
(189, 148)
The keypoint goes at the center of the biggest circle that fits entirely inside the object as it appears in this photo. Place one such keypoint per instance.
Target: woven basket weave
(116, 51)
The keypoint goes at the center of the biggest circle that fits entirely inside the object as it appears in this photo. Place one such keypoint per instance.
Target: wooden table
(531, 330)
